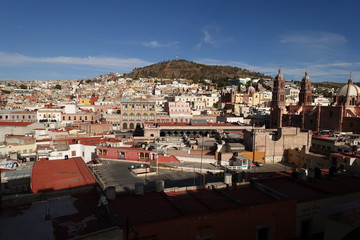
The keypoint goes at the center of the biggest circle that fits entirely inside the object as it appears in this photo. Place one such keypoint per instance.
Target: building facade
(135, 111)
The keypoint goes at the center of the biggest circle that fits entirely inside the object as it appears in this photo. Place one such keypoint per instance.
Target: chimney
(306, 149)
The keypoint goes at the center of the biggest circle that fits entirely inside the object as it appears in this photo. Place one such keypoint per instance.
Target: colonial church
(343, 115)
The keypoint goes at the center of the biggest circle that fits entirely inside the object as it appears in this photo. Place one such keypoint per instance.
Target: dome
(251, 90)
(350, 88)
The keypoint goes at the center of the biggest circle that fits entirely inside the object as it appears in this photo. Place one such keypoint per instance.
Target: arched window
(125, 117)
(131, 126)
(131, 116)
(124, 125)
(138, 117)
(152, 117)
(145, 117)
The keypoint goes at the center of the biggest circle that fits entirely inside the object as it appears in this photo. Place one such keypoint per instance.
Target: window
(131, 117)
(73, 153)
(151, 117)
(138, 117)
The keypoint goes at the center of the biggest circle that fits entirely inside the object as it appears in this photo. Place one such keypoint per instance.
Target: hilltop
(192, 70)
(327, 84)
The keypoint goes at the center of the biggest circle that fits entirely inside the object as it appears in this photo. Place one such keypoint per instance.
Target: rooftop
(52, 175)
(15, 124)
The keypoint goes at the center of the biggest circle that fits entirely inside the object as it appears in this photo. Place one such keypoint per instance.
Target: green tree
(58, 87)
(22, 86)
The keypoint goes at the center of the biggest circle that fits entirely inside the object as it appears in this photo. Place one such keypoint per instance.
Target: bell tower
(305, 97)
(278, 101)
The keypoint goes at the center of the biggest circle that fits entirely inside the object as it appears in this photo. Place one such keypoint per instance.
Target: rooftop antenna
(350, 74)
(177, 56)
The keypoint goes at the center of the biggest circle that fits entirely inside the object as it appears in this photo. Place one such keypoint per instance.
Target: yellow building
(251, 99)
(85, 101)
(303, 158)
(135, 111)
(20, 148)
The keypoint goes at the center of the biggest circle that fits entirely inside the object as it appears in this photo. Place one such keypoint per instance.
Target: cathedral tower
(305, 97)
(278, 101)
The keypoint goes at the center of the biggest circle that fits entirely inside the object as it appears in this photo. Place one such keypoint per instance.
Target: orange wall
(259, 156)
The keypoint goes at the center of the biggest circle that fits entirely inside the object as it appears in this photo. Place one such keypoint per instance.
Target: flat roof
(50, 175)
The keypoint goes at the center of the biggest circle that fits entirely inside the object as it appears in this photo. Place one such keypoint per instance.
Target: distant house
(125, 153)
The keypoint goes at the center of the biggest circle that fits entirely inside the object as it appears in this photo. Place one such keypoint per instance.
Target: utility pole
(202, 181)
(254, 148)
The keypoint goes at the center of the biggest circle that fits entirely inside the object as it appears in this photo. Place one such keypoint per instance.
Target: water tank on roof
(110, 193)
(227, 178)
(139, 188)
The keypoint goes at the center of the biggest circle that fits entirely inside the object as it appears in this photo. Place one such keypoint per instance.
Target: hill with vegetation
(193, 71)
(327, 84)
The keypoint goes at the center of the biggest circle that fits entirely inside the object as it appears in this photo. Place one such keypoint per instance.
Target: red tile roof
(170, 159)
(15, 124)
(60, 174)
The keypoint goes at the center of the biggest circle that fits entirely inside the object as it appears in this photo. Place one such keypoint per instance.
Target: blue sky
(72, 39)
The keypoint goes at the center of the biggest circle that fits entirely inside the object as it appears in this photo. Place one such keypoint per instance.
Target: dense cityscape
(133, 158)
(163, 120)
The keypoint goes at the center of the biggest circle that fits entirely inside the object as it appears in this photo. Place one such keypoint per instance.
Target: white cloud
(313, 40)
(333, 71)
(208, 38)
(13, 59)
(156, 44)
(211, 36)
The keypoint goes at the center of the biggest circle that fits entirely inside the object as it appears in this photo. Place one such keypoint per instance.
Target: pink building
(126, 153)
(181, 109)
